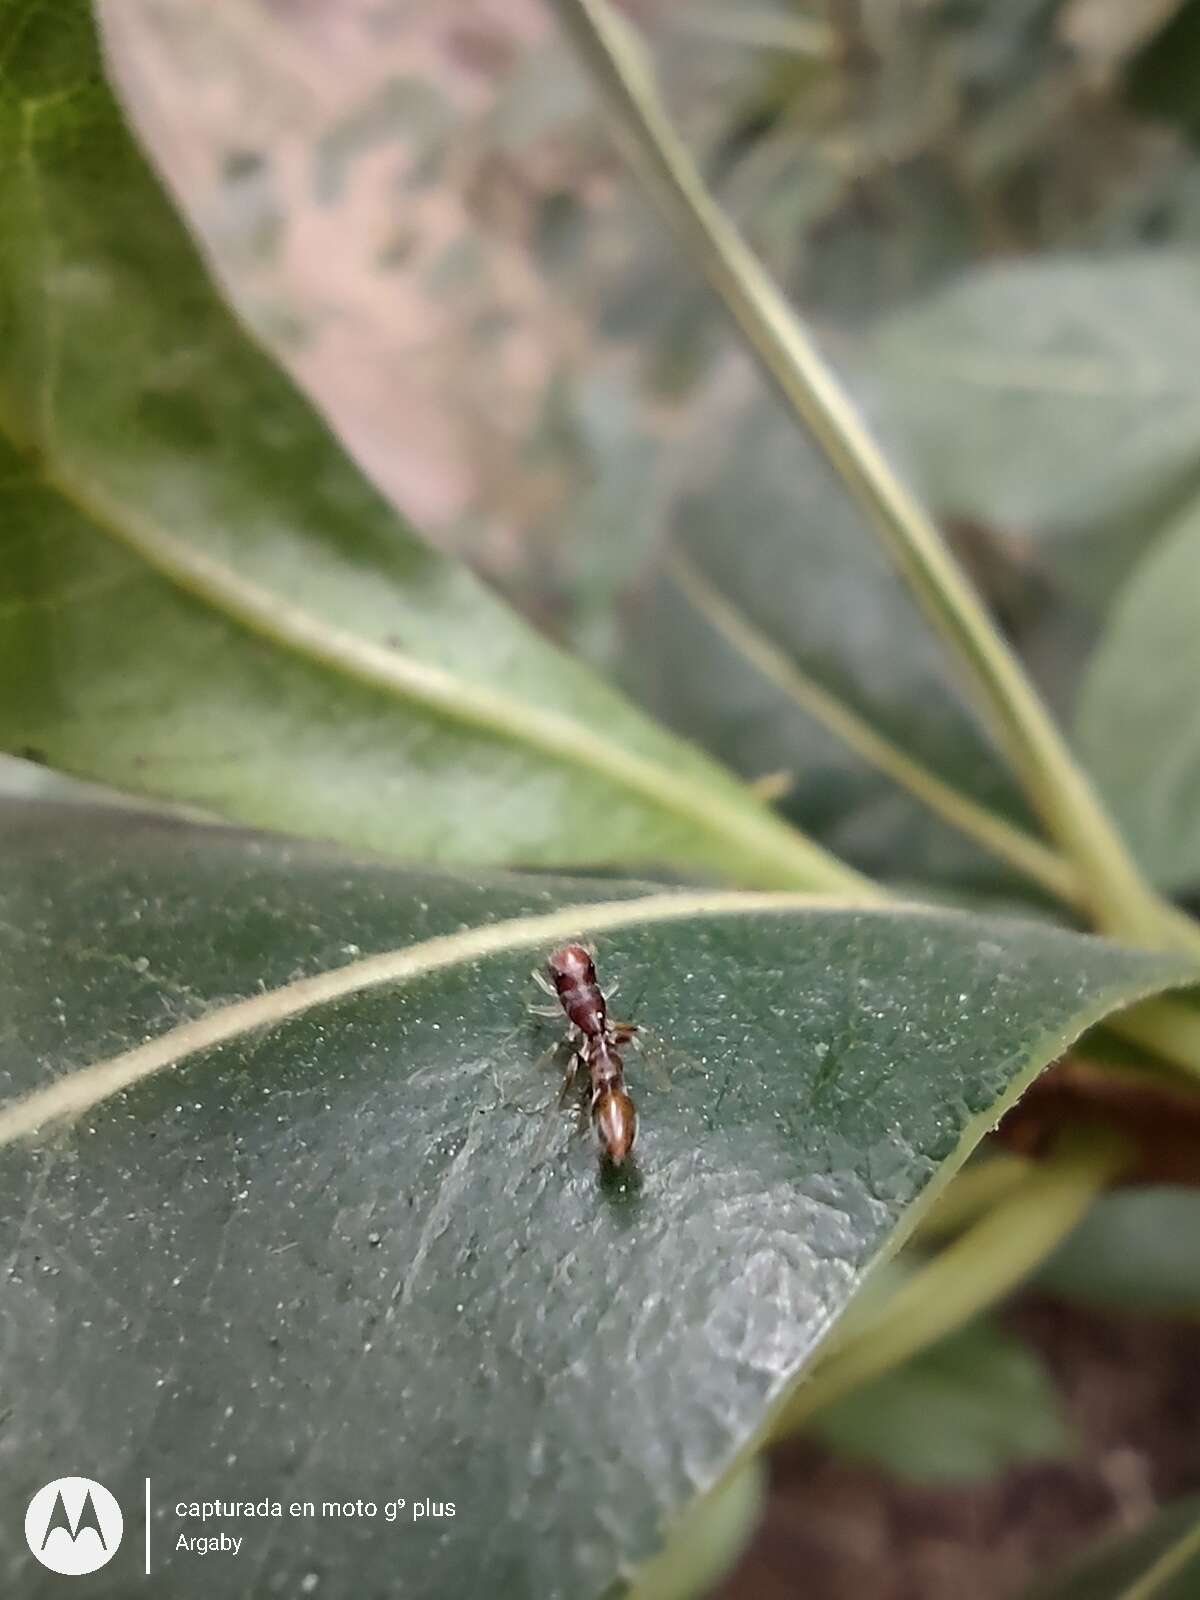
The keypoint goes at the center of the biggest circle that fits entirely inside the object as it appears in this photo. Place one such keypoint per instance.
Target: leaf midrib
(86, 1087)
(777, 855)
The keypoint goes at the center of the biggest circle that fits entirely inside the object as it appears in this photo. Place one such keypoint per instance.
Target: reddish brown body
(614, 1117)
(573, 974)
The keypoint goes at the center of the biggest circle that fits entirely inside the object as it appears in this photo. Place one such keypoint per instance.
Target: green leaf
(962, 1410)
(271, 1143)
(1056, 398)
(202, 593)
(1135, 1250)
(1138, 718)
(1159, 1562)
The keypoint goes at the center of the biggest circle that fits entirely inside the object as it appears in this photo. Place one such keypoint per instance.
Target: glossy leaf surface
(315, 1257)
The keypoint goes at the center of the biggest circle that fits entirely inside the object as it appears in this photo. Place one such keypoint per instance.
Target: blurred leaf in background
(770, 530)
(1137, 1250)
(204, 592)
(959, 1413)
(1056, 401)
(900, 141)
(1139, 710)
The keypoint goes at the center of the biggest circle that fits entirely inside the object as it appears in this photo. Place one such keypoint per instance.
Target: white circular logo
(73, 1525)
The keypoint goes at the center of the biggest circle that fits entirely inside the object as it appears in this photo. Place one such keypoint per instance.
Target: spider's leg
(554, 1111)
(652, 1058)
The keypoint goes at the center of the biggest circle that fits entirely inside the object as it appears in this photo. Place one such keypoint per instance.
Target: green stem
(762, 30)
(1169, 1565)
(974, 1191)
(982, 1266)
(1170, 1028)
(1119, 898)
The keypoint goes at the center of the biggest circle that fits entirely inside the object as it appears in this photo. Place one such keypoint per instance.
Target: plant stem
(762, 29)
(1170, 1028)
(982, 1265)
(1119, 898)
(1169, 1565)
(974, 1191)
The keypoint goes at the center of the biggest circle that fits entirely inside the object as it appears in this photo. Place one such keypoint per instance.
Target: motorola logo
(73, 1525)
